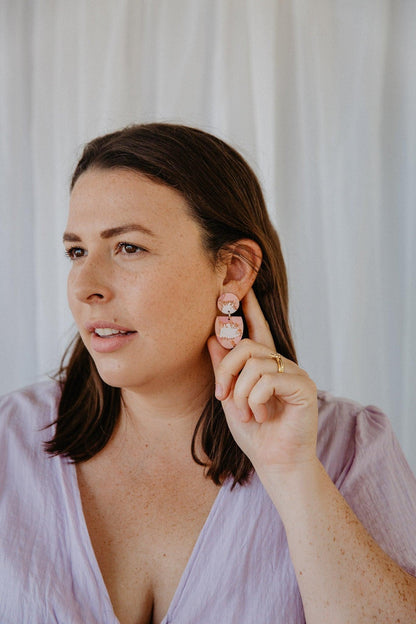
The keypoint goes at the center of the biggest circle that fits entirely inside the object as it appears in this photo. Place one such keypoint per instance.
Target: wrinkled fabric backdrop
(320, 97)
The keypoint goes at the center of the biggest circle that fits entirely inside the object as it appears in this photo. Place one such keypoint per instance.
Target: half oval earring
(228, 331)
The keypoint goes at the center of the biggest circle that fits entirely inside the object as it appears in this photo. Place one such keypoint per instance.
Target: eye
(75, 252)
(129, 249)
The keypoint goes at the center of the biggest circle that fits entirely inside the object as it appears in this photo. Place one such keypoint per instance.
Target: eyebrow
(70, 237)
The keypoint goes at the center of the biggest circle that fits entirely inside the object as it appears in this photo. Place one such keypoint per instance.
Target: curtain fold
(319, 96)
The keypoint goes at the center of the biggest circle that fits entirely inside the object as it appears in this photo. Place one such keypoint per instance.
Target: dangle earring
(228, 331)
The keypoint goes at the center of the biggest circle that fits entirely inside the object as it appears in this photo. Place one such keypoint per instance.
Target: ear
(242, 262)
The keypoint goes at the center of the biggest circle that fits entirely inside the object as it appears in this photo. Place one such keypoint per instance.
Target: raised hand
(272, 415)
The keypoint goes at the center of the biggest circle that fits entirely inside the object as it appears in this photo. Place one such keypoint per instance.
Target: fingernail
(219, 392)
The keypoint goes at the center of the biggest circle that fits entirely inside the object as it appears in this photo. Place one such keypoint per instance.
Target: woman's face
(141, 288)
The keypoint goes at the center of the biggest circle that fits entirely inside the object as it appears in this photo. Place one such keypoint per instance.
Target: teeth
(107, 331)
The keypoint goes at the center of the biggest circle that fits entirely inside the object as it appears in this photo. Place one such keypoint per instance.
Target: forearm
(343, 575)
(273, 413)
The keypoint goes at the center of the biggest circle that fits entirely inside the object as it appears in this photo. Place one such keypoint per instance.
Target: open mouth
(110, 339)
(106, 332)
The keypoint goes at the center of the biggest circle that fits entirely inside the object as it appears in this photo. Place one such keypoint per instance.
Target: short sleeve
(381, 488)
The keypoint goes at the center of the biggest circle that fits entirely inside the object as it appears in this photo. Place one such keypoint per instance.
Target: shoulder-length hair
(225, 199)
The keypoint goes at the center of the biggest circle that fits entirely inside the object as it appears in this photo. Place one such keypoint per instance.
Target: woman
(156, 500)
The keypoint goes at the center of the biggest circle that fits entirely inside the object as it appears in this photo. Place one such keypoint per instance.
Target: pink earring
(228, 331)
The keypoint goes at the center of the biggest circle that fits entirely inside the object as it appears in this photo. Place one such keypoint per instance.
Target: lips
(107, 331)
(107, 325)
(107, 337)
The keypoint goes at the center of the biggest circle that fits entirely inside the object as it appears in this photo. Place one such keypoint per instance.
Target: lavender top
(239, 571)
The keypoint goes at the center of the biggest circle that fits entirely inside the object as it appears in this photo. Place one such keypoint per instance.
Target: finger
(257, 326)
(232, 364)
(253, 370)
(257, 384)
(292, 389)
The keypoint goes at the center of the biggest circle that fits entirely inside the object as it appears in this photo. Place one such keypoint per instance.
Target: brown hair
(225, 198)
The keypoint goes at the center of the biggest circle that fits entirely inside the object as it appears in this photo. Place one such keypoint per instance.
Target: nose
(91, 282)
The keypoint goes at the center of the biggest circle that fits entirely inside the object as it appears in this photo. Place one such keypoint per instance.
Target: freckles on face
(138, 262)
(181, 301)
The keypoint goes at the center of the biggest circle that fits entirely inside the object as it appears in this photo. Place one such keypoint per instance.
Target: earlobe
(243, 260)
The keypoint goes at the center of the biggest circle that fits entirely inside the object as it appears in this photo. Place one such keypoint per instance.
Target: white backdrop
(319, 95)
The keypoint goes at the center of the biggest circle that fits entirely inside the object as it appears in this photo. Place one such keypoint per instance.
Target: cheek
(189, 307)
(74, 303)
(70, 295)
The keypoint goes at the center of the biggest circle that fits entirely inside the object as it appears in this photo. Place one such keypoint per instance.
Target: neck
(166, 416)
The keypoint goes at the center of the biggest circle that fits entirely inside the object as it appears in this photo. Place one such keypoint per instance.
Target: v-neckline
(92, 559)
(181, 588)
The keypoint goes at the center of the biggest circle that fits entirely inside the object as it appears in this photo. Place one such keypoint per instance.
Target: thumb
(217, 354)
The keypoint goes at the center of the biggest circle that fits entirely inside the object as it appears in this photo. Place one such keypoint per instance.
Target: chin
(120, 381)
(116, 375)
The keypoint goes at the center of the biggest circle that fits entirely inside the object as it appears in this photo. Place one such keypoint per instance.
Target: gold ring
(279, 361)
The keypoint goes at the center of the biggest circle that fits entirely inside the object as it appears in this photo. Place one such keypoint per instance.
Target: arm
(343, 575)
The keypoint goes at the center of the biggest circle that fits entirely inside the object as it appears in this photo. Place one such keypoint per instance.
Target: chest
(143, 530)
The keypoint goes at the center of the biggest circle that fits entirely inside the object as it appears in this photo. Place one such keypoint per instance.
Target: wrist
(293, 487)
(288, 474)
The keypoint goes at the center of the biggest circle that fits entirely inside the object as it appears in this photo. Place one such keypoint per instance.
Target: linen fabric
(240, 569)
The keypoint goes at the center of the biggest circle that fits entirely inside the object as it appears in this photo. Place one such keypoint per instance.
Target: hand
(272, 416)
